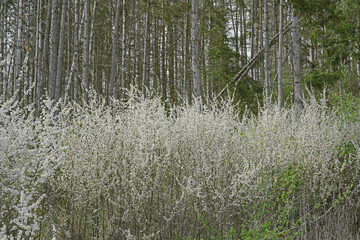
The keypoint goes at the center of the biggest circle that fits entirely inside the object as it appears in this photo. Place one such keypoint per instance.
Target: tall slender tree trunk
(18, 52)
(38, 47)
(267, 53)
(146, 42)
(156, 58)
(2, 47)
(114, 49)
(43, 63)
(235, 25)
(163, 58)
(297, 66)
(244, 35)
(274, 29)
(171, 43)
(76, 48)
(187, 88)
(68, 81)
(136, 45)
(123, 48)
(92, 29)
(54, 38)
(195, 42)
(261, 45)
(280, 80)
(61, 52)
(92, 54)
(85, 56)
(253, 20)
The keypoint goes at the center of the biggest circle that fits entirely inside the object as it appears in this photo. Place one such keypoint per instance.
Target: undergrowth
(136, 170)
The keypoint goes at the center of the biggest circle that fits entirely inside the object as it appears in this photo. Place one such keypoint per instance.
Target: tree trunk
(280, 93)
(195, 42)
(146, 40)
(61, 52)
(267, 54)
(163, 59)
(85, 56)
(171, 43)
(156, 58)
(54, 48)
(187, 88)
(297, 66)
(235, 25)
(76, 48)
(136, 46)
(244, 35)
(38, 46)
(123, 51)
(92, 54)
(261, 72)
(253, 19)
(43, 62)
(18, 51)
(114, 49)
(68, 81)
(2, 48)
(91, 40)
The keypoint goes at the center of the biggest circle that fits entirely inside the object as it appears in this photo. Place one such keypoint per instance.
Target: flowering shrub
(136, 170)
(30, 153)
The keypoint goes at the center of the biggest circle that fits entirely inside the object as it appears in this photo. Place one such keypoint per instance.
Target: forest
(179, 119)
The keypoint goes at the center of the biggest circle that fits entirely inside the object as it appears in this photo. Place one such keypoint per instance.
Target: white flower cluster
(30, 153)
(137, 170)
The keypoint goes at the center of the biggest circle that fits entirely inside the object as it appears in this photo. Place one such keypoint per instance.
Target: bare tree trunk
(163, 59)
(151, 51)
(123, 47)
(267, 54)
(114, 49)
(85, 56)
(103, 82)
(2, 47)
(68, 81)
(38, 47)
(297, 66)
(18, 51)
(146, 39)
(187, 96)
(136, 45)
(156, 58)
(43, 62)
(280, 87)
(92, 54)
(61, 52)
(54, 48)
(261, 72)
(236, 23)
(171, 43)
(76, 47)
(92, 27)
(244, 34)
(274, 29)
(253, 19)
(195, 42)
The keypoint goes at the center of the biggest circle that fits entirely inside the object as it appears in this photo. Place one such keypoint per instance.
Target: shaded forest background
(66, 48)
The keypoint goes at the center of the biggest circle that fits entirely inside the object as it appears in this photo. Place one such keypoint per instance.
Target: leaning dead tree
(242, 73)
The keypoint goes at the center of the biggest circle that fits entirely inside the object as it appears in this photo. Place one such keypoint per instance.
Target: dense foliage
(81, 160)
(136, 170)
